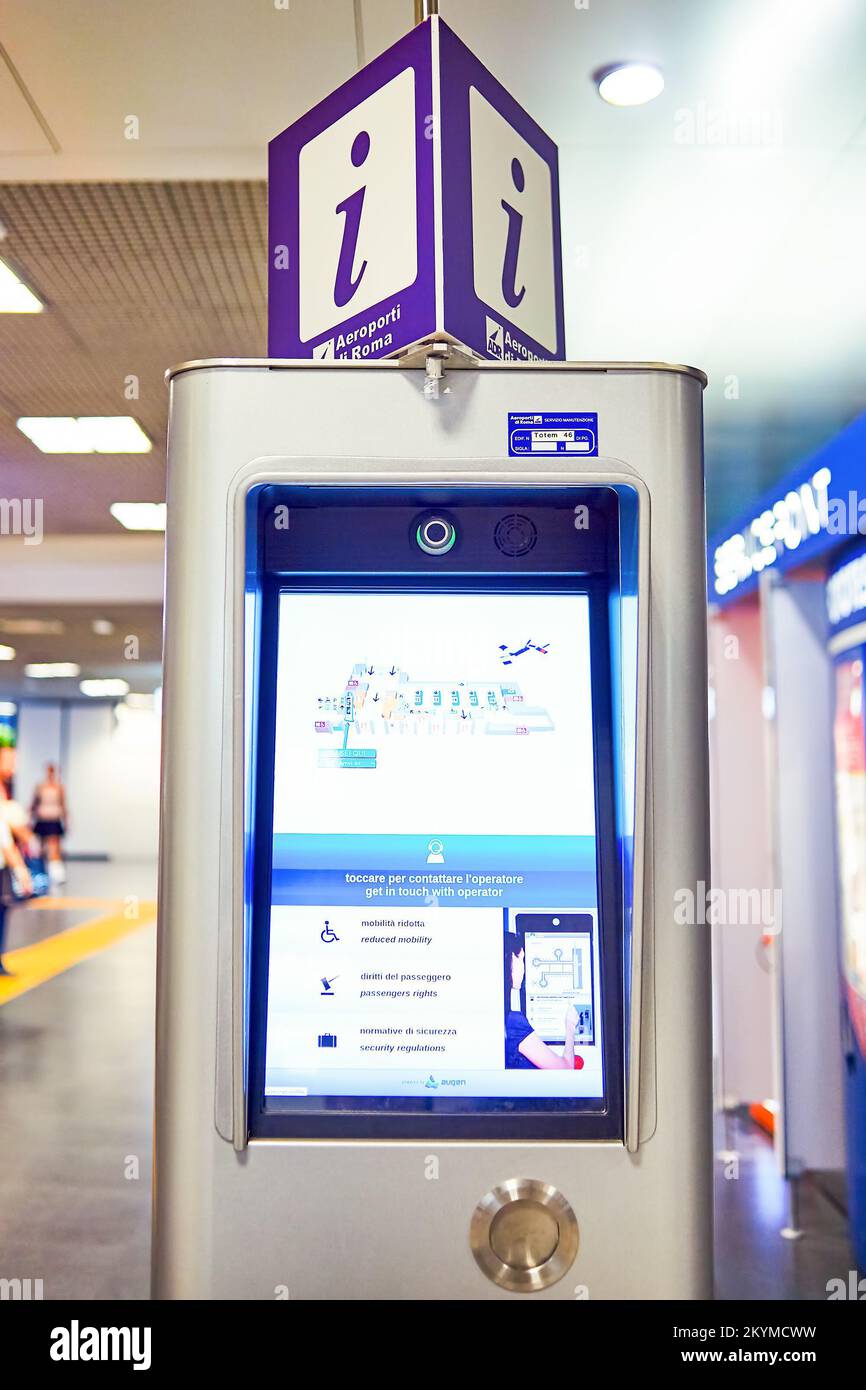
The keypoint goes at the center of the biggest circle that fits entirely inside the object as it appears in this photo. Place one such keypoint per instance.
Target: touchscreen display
(434, 925)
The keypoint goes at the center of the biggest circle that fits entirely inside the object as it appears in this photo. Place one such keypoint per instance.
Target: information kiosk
(435, 768)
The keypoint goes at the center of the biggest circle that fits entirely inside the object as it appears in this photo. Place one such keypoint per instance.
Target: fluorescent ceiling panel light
(116, 434)
(629, 84)
(32, 627)
(55, 434)
(52, 670)
(7, 653)
(15, 296)
(104, 688)
(139, 516)
(85, 434)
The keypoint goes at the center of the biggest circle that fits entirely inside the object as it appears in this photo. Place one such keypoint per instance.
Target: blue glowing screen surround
(434, 933)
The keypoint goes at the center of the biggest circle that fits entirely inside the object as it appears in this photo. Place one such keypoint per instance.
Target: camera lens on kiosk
(435, 535)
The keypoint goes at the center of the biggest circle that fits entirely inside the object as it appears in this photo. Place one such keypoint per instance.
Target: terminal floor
(76, 1076)
(752, 1207)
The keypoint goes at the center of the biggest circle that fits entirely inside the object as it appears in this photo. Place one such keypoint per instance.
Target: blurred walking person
(48, 817)
(11, 863)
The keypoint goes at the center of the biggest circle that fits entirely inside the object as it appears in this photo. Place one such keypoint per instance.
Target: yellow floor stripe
(70, 904)
(33, 965)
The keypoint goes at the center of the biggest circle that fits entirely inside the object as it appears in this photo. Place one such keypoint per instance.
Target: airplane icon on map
(528, 647)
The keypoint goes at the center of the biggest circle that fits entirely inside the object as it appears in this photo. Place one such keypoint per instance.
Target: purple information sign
(417, 201)
(501, 257)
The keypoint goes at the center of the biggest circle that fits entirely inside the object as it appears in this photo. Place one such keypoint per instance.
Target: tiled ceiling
(742, 255)
(136, 276)
(66, 634)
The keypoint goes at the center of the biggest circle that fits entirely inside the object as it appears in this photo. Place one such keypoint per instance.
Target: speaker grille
(515, 535)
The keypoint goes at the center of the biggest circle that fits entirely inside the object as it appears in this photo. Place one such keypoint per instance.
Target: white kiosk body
(311, 1154)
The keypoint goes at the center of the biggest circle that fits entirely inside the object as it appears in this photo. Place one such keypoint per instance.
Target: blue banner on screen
(434, 919)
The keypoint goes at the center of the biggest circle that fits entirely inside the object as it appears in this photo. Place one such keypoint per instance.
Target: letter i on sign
(351, 208)
(510, 292)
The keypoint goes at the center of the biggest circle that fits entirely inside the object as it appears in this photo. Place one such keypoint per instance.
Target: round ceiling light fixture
(629, 84)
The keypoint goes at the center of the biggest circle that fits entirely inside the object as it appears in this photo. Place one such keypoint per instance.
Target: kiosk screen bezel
(436, 1116)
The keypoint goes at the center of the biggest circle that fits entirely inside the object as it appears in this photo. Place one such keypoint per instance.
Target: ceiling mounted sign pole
(435, 359)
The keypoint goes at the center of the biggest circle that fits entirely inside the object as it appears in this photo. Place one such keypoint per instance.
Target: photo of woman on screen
(523, 1047)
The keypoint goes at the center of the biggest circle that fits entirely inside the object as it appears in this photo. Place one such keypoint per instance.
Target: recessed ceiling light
(104, 688)
(52, 670)
(32, 627)
(629, 84)
(102, 627)
(15, 296)
(139, 516)
(85, 434)
(7, 653)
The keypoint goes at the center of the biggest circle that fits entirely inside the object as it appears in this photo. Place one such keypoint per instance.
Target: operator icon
(435, 853)
(328, 934)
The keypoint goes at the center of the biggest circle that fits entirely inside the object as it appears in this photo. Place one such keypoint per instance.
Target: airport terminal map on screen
(434, 910)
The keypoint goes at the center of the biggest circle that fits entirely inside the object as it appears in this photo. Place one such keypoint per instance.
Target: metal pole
(793, 1231)
(359, 35)
(437, 354)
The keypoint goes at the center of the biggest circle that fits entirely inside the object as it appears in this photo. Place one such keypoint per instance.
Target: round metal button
(524, 1235)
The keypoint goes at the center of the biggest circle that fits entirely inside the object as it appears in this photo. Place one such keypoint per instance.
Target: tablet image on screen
(560, 973)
